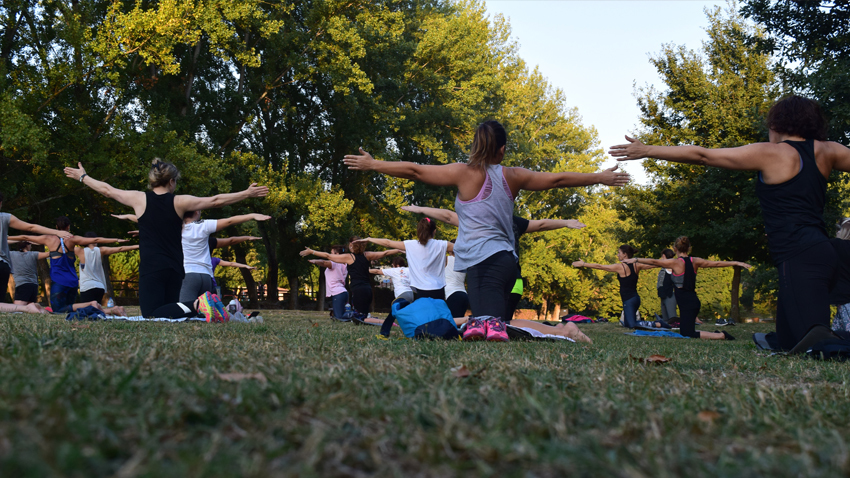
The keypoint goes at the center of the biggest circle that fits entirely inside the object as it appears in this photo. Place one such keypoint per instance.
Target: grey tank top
(26, 267)
(4, 239)
(91, 276)
(486, 222)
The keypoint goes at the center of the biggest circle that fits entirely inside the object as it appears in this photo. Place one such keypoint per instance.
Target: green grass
(129, 399)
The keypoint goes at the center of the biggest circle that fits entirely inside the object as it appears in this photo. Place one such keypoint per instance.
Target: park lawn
(329, 399)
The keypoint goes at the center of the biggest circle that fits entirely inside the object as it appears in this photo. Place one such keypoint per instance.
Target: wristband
(83, 176)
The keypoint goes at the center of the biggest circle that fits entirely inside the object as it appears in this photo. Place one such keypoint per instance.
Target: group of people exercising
(792, 170)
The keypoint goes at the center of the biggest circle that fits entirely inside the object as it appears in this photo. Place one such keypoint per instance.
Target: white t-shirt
(454, 280)
(401, 280)
(196, 249)
(427, 264)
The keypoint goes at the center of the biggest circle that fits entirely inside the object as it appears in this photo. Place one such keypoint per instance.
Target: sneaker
(724, 322)
(496, 330)
(476, 329)
(223, 316)
(206, 307)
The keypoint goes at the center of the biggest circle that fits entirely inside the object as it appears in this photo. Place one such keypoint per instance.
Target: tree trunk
(44, 275)
(271, 253)
(556, 313)
(239, 253)
(544, 307)
(293, 292)
(107, 273)
(734, 313)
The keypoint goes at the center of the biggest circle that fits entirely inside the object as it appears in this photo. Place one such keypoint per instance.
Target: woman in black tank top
(627, 275)
(160, 216)
(358, 261)
(685, 280)
(792, 170)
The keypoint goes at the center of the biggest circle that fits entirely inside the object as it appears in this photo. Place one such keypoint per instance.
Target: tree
(714, 98)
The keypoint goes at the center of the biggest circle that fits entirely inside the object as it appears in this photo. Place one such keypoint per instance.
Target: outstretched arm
(321, 263)
(384, 242)
(673, 263)
(126, 217)
(84, 241)
(232, 221)
(377, 272)
(442, 175)
(539, 225)
(134, 199)
(236, 264)
(752, 157)
(601, 267)
(706, 263)
(442, 215)
(374, 256)
(229, 241)
(106, 251)
(43, 255)
(33, 239)
(338, 258)
(521, 178)
(16, 223)
(183, 203)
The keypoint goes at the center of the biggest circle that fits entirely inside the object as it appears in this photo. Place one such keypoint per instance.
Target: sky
(598, 51)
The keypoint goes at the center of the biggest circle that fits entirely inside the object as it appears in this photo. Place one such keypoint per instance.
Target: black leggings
(458, 302)
(95, 294)
(431, 294)
(489, 285)
(804, 284)
(5, 271)
(689, 306)
(159, 293)
(361, 299)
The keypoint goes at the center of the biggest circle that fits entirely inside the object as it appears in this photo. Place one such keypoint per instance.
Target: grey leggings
(195, 285)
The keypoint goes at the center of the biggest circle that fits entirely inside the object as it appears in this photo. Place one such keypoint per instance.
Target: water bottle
(110, 303)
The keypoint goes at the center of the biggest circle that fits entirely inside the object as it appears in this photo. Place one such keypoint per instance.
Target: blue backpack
(424, 318)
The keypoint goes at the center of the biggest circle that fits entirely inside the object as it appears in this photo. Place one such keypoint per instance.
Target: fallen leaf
(708, 416)
(361, 339)
(652, 359)
(238, 377)
(565, 356)
(315, 325)
(461, 372)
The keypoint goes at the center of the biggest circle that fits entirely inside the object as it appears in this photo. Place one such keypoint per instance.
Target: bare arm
(837, 154)
(43, 255)
(442, 215)
(232, 221)
(377, 272)
(106, 251)
(602, 267)
(133, 199)
(708, 264)
(521, 178)
(236, 264)
(442, 175)
(384, 243)
(183, 203)
(43, 240)
(338, 258)
(321, 263)
(126, 217)
(16, 223)
(752, 157)
(675, 263)
(539, 225)
(374, 256)
(84, 241)
(229, 241)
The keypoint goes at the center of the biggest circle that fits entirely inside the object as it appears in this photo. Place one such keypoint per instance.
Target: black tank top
(628, 284)
(793, 210)
(359, 272)
(160, 235)
(689, 279)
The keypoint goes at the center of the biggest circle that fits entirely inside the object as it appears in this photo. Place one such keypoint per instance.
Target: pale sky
(596, 51)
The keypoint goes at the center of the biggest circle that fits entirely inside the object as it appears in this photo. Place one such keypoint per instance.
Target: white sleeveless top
(92, 276)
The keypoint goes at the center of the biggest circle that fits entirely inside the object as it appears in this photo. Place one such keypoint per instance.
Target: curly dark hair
(798, 116)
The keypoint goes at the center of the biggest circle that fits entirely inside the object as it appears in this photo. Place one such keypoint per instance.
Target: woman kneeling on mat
(685, 280)
(627, 275)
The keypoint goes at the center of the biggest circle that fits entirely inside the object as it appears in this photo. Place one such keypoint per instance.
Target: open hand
(75, 173)
(745, 265)
(359, 162)
(612, 177)
(261, 217)
(627, 152)
(255, 191)
(578, 264)
(575, 224)
(306, 252)
(65, 235)
(630, 260)
(411, 208)
(133, 233)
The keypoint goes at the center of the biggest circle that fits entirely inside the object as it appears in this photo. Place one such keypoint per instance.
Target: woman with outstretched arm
(685, 279)
(484, 204)
(792, 170)
(160, 213)
(358, 261)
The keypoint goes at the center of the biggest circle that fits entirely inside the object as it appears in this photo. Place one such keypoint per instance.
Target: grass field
(317, 398)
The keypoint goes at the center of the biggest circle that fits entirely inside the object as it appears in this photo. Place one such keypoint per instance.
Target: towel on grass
(657, 333)
(520, 333)
(93, 313)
